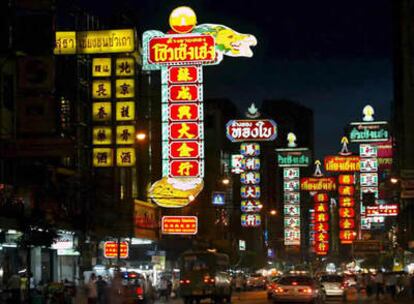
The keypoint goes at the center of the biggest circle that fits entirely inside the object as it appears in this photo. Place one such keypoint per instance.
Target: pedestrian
(92, 289)
(379, 284)
(13, 285)
(391, 285)
(164, 288)
(412, 285)
(101, 289)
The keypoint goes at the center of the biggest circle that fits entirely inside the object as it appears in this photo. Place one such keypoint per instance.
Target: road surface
(259, 297)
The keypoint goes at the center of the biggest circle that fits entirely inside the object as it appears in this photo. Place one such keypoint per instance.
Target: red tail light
(306, 290)
(139, 291)
(185, 281)
(294, 283)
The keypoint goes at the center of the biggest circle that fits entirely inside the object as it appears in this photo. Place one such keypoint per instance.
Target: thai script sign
(179, 225)
(382, 210)
(368, 132)
(251, 130)
(299, 157)
(95, 42)
(181, 49)
(335, 163)
(318, 184)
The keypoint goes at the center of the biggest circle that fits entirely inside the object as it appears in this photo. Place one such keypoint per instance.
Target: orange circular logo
(183, 19)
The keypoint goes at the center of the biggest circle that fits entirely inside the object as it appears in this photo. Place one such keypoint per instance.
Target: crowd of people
(382, 284)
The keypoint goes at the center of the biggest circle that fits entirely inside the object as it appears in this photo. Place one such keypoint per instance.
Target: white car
(333, 285)
(293, 289)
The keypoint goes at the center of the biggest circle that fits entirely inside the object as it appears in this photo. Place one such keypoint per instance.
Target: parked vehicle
(294, 289)
(203, 275)
(333, 284)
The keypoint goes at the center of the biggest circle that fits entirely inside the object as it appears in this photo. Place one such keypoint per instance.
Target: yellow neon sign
(125, 157)
(95, 42)
(102, 135)
(102, 157)
(125, 88)
(125, 110)
(101, 111)
(101, 67)
(101, 89)
(125, 135)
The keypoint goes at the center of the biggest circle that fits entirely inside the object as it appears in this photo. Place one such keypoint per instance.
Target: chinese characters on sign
(250, 180)
(111, 250)
(119, 139)
(321, 223)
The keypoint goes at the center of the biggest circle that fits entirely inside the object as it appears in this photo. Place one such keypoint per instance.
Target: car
(255, 281)
(298, 288)
(271, 285)
(333, 284)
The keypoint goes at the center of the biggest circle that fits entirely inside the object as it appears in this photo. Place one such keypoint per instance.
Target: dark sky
(332, 56)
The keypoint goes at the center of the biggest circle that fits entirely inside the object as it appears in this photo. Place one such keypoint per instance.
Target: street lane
(259, 297)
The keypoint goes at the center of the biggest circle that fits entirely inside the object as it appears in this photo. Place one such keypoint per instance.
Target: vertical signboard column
(250, 189)
(247, 131)
(368, 134)
(346, 165)
(291, 159)
(180, 55)
(319, 187)
(113, 135)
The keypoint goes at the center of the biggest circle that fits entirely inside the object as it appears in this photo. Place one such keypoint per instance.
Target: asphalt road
(259, 297)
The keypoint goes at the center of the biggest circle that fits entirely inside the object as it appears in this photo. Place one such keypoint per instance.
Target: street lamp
(140, 136)
(273, 212)
(225, 181)
(394, 180)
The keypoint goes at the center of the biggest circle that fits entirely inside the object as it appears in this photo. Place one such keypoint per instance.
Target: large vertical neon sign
(180, 55)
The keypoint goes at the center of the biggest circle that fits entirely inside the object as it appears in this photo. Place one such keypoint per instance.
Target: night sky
(331, 56)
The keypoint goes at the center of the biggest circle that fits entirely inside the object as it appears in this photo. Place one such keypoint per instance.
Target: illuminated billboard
(180, 55)
(318, 184)
(334, 163)
(111, 250)
(251, 130)
(179, 225)
(95, 42)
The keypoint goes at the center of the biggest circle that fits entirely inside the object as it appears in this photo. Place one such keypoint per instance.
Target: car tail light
(294, 283)
(306, 290)
(343, 285)
(208, 280)
(185, 281)
(139, 291)
(279, 290)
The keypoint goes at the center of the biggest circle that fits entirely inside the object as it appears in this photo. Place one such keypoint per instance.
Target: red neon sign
(111, 250)
(346, 212)
(184, 93)
(347, 223)
(184, 149)
(185, 130)
(184, 168)
(182, 49)
(183, 74)
(187, 111)
(179, 225)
